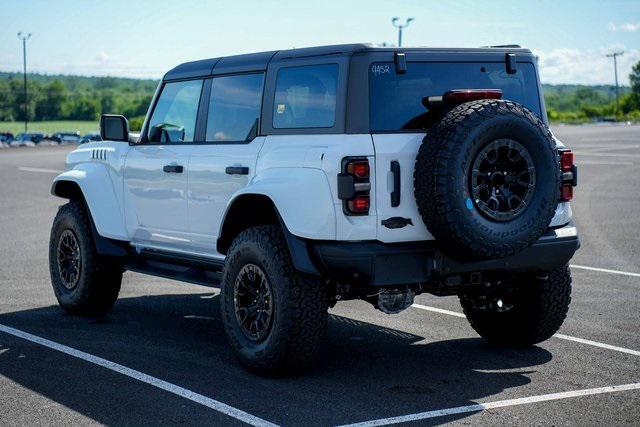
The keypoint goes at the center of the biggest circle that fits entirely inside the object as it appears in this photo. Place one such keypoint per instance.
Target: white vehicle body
(132, 199)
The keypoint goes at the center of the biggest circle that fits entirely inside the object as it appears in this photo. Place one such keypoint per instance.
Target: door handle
(395, 194)
(173, 168)
(237, 170)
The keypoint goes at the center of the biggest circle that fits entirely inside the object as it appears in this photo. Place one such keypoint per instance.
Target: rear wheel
(84, 282)
(275, 318)
(529, 311)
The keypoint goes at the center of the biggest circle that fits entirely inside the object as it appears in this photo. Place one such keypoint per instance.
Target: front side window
(234, 108)
(174, 118)
(396, 101)
(306, 97)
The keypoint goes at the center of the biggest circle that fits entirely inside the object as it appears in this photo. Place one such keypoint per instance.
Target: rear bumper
(380, 264)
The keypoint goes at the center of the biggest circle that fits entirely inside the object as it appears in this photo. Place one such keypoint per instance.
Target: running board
(181, 267)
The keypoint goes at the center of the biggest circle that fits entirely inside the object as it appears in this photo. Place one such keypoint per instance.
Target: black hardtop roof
(259, 61)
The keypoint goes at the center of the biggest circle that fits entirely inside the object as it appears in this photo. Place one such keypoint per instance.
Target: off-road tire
(540, 307)
(99, 280)
(442, 174)
(300, 305)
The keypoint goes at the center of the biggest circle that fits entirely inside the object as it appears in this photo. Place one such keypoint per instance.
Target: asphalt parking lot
(161, 357)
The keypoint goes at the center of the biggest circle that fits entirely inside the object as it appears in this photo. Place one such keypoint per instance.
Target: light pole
(615, 55)
(24, 38)
(400, 27)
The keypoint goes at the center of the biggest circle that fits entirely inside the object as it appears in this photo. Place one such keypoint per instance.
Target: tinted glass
(234, 107)
(396, 99)
(174, 118)
(306, 97)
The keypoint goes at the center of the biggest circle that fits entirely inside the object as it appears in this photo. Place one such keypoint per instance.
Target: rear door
(399, 121)
(395, 161)
(156, 170)
(226, 161)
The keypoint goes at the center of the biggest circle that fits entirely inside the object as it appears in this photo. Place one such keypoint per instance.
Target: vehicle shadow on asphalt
(365, 371)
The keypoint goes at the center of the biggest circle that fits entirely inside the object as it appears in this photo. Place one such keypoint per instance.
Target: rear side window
(306, 97)
(396, 99)
(234, 108)
(174, 117)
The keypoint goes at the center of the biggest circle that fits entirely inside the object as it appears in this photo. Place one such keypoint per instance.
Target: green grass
(51, 127)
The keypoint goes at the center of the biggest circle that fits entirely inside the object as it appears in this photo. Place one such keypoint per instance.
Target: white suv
(298, 178)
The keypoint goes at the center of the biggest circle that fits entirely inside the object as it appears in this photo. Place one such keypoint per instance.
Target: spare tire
(487, 179)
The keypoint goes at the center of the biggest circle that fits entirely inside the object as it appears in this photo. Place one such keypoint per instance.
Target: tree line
(85, 98)
(569, 103)
(72, 97)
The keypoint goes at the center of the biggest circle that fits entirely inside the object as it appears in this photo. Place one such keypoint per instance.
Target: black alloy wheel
(69, 259)
(253, 302)
(502, 179)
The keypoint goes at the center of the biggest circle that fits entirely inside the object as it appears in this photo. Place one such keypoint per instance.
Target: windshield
(396, 99)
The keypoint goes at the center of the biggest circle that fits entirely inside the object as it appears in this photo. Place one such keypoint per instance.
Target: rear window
(396, 99)
(234, 108)
(306, 97)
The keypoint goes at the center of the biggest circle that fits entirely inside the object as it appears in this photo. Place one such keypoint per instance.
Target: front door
(156, 170)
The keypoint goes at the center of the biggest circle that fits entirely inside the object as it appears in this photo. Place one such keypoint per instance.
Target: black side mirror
(114, 127)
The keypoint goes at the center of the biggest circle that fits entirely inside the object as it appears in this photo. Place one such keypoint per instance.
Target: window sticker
(378, 70)
(280, 109)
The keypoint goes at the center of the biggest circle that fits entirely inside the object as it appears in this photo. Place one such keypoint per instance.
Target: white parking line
(605, 270)
(28, 169)
(598, 344)
(142, 377)
(497, 404)
(439, 310)
(560, 336)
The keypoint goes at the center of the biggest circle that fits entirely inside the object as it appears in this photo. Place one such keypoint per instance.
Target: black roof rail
(505, 46)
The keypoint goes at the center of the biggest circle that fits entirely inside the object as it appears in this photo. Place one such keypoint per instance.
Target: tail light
(569, 174)
(566, 160)
(354, 186)
(358, 168)
(359, 205)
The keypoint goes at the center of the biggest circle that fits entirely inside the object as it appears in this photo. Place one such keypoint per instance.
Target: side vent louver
(99, 154)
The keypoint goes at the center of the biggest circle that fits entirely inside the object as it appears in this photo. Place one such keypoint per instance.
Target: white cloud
(628, 27)
(576, 66)
(102, 58)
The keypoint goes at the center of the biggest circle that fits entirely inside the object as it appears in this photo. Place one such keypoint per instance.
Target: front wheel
(530, 311)
(83, 281)
(275, 318)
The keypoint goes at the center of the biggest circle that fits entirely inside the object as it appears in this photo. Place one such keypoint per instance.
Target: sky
(136, 38)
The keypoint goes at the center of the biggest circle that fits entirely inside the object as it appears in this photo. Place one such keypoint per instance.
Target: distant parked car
(6, 137)
(91, 136)
(66, 137)
(27, 139)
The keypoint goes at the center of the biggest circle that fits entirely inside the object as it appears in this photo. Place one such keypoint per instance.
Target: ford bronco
(295, 179)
